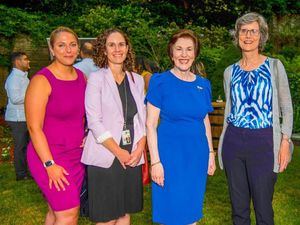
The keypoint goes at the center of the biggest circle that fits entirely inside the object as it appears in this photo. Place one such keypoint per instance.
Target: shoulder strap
(80, 74)
(46, 73)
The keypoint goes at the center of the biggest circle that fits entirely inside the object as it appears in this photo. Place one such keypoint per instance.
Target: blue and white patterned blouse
(251, 97)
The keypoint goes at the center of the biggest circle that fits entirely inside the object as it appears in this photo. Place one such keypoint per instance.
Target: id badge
(126, 138)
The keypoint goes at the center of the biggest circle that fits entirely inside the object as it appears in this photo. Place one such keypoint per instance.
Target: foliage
(216, 60)
(150, 23)
(285, 44)
(285, 35)
(270, 7)
(36, 26)
(198, 12)
(146, 36)
(6, 142)
(14, 22)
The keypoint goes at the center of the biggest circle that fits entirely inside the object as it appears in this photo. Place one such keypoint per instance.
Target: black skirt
(114, 192)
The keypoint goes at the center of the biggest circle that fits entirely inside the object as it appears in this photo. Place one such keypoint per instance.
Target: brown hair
(58, 30)
(99, 57)
(184, 33)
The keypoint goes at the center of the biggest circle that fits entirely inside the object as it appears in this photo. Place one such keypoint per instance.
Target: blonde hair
(58, 30)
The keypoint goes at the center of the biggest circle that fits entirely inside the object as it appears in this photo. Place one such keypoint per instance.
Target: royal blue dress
(182, 147)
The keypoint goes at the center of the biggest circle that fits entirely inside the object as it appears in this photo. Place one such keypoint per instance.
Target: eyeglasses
(252, 32)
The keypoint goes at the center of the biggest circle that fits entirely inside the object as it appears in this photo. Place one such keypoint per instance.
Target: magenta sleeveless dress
(64, 130)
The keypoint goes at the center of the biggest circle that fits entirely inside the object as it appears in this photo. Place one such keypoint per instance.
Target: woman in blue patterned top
(254, 145)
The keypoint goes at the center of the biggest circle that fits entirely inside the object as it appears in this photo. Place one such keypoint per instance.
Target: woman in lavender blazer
(116, 138)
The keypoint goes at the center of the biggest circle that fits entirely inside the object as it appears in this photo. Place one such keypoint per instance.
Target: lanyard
(126, 103)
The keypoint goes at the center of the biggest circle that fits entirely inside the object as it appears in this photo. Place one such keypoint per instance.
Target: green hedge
(150, 32)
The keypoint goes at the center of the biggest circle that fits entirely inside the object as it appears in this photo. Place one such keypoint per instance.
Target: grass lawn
(22, 202)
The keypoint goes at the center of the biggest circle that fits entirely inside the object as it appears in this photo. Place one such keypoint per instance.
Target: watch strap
(48, 163)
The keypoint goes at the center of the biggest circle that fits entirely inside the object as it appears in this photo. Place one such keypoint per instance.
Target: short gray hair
(250, 18)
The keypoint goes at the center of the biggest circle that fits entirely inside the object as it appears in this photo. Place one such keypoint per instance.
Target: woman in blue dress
(181, 146)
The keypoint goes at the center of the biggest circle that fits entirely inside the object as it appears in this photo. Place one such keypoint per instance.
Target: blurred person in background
(86, 65)
(16, 86)
(146, 68)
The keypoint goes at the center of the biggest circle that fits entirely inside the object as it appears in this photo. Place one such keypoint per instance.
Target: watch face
(49, 163)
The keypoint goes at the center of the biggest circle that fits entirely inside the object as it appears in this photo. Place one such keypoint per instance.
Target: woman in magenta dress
(54, 107)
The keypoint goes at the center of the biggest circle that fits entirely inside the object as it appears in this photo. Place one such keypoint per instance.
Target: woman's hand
(123, 156)
(157, 173)
(57, 177)
(284, 155)
(211, 164)
(83, 142)
(135, 157)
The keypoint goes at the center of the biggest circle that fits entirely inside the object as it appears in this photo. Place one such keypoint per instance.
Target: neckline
(263, 63)
(19, 72)
(61, 79)
(123, 81)
(183, 81)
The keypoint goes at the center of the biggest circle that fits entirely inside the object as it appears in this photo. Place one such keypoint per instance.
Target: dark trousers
(248, 160)
(21, 137)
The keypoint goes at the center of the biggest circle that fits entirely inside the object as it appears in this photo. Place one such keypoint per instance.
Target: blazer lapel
(114, 89)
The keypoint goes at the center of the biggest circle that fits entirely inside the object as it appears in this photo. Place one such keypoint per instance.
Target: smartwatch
(48, 163)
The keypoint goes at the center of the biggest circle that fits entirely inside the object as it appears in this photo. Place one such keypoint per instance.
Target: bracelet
(287, 139)
(153, 164)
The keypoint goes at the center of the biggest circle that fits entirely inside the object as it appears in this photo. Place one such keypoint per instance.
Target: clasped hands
(127, 159)
(57, 174)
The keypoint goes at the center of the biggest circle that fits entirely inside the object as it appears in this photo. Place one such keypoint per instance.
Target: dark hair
(87, 49)
(99, 57)
(184, 33)
(16, 55)
(58, 30)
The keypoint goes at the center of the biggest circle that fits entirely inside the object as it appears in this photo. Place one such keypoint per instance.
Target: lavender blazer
(105, 116)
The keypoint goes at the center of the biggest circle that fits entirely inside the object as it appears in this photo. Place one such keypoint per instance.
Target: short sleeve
(154, 94)
(209, 96)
